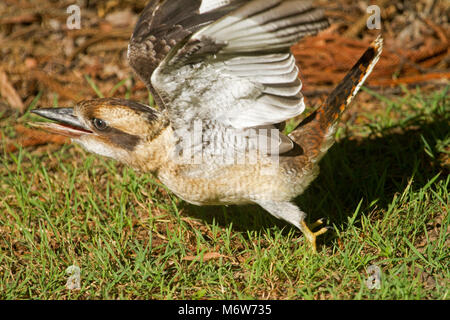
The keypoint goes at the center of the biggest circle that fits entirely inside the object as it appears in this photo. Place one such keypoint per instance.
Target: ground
(383, 188)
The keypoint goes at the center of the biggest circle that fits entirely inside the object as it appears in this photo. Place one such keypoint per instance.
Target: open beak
(67, 123)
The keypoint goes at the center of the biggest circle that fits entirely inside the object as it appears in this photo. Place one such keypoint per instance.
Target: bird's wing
(164, 24)
(236, 71)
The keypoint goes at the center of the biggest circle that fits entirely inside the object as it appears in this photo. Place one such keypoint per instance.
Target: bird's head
(120, 129)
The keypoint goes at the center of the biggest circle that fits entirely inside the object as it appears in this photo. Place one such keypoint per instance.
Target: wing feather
(163, 25)
(238, 71)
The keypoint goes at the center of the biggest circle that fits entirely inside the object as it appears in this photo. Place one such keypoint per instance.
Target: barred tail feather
(315, 134)
(341, 97)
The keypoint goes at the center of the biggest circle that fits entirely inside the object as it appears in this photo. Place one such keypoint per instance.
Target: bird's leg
(291, 213)
(310, 235)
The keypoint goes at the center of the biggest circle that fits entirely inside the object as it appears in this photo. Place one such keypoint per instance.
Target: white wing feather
(239, 71)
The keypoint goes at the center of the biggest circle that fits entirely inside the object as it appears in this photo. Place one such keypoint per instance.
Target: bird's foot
(312, 236)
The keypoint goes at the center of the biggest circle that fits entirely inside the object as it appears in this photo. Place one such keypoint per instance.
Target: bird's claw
(312, 236)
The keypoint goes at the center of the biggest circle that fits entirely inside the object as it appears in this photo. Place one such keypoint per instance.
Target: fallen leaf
(32, 138)
(122, 18)
(8, 92)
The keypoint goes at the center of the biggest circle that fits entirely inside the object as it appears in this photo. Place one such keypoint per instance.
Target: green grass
(383, 189)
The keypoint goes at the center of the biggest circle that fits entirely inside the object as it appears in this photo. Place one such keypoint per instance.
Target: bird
(225, 82)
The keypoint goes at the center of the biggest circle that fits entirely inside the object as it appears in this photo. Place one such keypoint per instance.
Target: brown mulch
(416, 50)
(40, 55)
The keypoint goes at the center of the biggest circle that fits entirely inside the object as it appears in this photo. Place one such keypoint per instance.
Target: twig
(24, 18)
(53, 85)
(87, 44)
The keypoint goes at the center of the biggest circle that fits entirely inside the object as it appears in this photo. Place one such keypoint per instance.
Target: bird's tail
(315, 133)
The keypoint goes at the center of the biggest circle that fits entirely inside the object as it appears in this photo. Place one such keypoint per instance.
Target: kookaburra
(225, 81)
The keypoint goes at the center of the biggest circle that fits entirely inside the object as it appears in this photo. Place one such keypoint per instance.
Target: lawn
(383, 190)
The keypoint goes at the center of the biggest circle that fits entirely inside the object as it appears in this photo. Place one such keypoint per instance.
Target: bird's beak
(67, 123)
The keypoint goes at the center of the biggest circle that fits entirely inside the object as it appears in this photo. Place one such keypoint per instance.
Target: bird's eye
(99, 124)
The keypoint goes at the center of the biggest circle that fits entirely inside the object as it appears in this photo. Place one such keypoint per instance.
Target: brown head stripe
(122, 139)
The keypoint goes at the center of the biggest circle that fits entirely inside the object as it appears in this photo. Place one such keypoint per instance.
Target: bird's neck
(150, 156)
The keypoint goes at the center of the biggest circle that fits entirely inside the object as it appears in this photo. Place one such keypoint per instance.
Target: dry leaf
(122, 18)
(32, 138)
(8, 92)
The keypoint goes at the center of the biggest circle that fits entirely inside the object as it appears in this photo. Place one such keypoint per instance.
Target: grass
(383, 189)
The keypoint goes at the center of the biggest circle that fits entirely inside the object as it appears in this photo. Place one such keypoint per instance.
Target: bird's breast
(213, 184)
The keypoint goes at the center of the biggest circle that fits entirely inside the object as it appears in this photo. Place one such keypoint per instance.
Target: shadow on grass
(369, 170)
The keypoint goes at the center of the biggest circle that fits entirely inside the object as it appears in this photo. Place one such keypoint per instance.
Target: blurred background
(44, 63)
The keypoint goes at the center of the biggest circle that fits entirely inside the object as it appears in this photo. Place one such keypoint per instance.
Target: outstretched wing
(239, 70)
(164, 24)
(226, 63)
